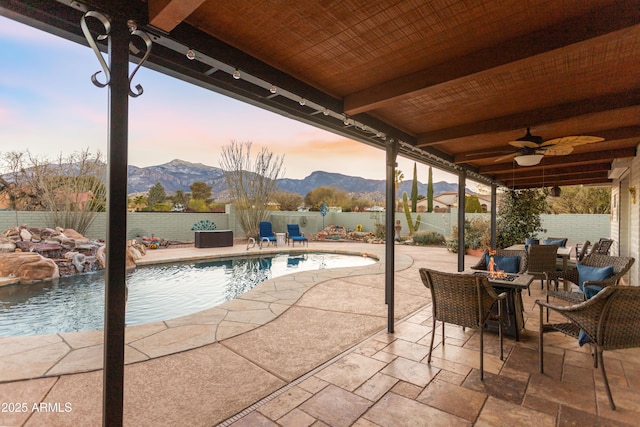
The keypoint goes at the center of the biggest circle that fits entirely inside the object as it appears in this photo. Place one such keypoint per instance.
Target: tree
(71, 191)
(332, 196)
(200, 190)
(198, 205)
(288, 201)
(581, 200)
(472, 204)
(414, 189)
(430, 191)
(519, 216)
(138, 203)
(156, 195)
(251, 182)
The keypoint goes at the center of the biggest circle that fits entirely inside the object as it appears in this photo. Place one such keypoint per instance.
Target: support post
(494, 212)
(462, 182)
(392, 154)
(115, 275)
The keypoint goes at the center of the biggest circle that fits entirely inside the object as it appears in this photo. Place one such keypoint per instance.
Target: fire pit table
(512, 284)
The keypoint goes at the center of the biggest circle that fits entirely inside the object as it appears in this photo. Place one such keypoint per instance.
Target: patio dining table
(564, 252)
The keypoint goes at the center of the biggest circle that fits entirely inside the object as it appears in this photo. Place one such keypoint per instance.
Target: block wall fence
(177, 225)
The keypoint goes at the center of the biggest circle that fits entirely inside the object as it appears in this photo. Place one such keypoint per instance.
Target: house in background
(443, 202)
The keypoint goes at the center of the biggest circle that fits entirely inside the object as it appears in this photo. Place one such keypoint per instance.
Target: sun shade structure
(453, 83)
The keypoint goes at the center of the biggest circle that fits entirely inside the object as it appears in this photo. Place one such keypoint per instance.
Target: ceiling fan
(532, 148)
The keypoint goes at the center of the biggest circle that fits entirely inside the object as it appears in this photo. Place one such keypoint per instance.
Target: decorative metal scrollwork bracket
(94, 46)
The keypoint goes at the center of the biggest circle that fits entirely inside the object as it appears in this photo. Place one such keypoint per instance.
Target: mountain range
(180, 174)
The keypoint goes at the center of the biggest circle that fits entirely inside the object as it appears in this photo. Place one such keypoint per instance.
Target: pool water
(159, 292)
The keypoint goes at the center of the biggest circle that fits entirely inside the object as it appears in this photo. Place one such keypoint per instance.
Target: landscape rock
(29, 267)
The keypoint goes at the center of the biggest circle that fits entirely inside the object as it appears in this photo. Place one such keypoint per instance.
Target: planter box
(214, 238)
(474, 252)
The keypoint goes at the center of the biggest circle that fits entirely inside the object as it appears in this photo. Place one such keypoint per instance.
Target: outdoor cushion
(509, 264)
(530, 241)
(587, 273)
(553, 242)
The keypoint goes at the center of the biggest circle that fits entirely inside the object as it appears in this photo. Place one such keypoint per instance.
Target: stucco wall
(177, 226)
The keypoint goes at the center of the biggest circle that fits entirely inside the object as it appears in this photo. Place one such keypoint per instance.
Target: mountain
(179, 175)
(175, 175)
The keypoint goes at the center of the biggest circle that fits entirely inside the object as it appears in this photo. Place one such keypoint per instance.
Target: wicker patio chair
(465, 300)
(582, 249)
(604, 246)
(610, 319)
(482, 263)
(542, 259)
(621, 266)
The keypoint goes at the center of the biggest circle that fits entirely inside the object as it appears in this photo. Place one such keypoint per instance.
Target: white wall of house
(625, 217)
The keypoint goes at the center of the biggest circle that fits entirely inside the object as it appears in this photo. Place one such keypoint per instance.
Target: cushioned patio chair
(560, 241)
(522, 262)
(294, 235)
(266, 234)
(464, 300)
(596, 270)
(609, 319)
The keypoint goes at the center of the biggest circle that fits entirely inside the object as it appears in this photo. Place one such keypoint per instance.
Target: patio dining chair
(609, 319)
(594, 270)
(465, 300)
(542, 259)
(522, 264)
(604, 246)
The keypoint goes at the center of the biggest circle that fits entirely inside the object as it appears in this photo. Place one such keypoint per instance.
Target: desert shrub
(425, 237)
(380, 230)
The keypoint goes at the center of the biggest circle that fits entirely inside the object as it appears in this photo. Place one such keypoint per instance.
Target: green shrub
(425, 237)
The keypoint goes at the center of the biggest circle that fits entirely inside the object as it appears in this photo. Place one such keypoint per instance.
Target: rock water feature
(31, 254)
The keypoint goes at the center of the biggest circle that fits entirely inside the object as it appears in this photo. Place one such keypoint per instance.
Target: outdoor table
(512, 284)
(564, 252)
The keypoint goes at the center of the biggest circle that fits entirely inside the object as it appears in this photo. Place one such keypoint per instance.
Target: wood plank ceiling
(455, 79)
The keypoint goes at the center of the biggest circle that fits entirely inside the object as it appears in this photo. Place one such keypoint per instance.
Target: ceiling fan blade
(500, 159)
(572, 140)
(523, 144)
(557, 150)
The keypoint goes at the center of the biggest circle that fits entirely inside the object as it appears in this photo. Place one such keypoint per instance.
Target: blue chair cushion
(587, 273)
(553, 242)
(530, 241)
(507, 263)
(589, 292)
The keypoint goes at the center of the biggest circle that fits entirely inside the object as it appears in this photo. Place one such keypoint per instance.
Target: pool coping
(39, 356)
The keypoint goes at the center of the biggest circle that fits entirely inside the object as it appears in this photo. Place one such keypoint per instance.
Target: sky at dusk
(49, 106)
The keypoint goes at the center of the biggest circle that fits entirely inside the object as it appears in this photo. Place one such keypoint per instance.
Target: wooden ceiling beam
(585, 180)
(538, 117)
(596, 23)
(167, 14)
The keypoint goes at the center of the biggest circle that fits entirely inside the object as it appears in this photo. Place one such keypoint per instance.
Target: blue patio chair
(294, 234)
(266, 233)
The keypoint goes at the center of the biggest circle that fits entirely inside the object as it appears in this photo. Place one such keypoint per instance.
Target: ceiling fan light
(528, 159)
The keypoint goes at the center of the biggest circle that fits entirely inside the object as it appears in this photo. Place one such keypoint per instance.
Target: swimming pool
(159, 292)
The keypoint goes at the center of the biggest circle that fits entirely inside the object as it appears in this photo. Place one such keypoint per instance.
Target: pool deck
(311, 348)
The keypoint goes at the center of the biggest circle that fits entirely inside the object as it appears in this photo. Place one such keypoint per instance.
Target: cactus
(412, 227)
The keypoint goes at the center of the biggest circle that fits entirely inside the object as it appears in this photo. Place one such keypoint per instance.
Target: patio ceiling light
(528, 159)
